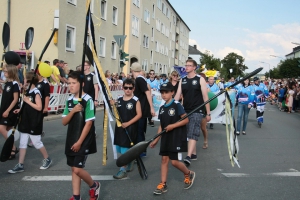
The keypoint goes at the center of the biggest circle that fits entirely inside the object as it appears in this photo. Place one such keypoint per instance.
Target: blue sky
(254, 29)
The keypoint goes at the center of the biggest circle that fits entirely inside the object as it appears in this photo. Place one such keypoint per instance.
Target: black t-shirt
(31, 119)
(192, 94)
(62, 72)
(175, 140)
(127, 111)
(89, 85)
(44, 89)
(140, 89)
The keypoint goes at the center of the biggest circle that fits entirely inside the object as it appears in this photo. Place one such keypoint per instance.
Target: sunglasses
(175, 75)
(126, 88)
(151, 73)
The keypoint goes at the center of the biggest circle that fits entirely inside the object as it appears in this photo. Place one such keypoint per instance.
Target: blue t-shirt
(213, 88)
(281, 92)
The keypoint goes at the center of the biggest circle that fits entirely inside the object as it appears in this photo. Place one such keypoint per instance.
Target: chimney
(195, 46)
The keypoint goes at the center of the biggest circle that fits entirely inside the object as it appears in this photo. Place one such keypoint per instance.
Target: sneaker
(30, 144)
(293, 111)
(46, 163)
(187, 161)
(193, 157)
(73, 198)
(161, 188)
(189, 180)
(129, 167)
(211, 126)
(244, 132)
(18, 168)
(95, 192)
(43, 134)
(121, 174)
(238, 133)
(151, 123)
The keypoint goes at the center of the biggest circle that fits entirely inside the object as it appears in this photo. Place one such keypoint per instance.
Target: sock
(122, 169)
(94, 185)
(76, 197)
(21, 164)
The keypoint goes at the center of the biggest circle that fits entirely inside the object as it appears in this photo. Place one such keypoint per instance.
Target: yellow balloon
(45, 70)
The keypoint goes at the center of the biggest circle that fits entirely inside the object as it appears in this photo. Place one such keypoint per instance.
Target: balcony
(176, 61)
(176, 46)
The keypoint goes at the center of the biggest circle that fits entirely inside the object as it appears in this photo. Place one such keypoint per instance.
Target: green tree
(289, 68)
(210, 61)
(236, 63)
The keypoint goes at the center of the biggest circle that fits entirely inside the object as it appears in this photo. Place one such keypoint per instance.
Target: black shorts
(172, 155)
(76, 161)
(9, 121)
(280, 99)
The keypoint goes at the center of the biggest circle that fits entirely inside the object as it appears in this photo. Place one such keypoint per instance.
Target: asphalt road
(269, 159)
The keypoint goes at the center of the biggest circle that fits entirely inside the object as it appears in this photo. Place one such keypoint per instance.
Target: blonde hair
(173, 73)
(12, 72)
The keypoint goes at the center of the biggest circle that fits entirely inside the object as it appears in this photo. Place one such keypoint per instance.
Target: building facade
(157, 37)
(294, 54)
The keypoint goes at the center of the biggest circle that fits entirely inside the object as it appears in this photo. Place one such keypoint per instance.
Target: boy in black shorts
(79, 146)
(174, 141)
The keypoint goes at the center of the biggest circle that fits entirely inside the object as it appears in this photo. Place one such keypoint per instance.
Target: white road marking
(232, 175)
(68, 178)
(281, 174)
(284, 174)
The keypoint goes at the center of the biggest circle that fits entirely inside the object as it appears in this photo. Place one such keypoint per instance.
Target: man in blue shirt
(163, 79)
(212, 87)
(154, 85)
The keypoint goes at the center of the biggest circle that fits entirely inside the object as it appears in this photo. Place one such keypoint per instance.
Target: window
(156, 46)
(103, 9)
(113, 49)
(102, 47)
(147, 16)
(159, 4)
(167, 51)
(115, 15)
(137, 3)
(167, 13)
(153, 12)
(145, 65)
(158, 25)
(73, 2)
(163, 8)
(135, 26)
(70, 38)
(152, 34)
(151, 54)
(146, 41)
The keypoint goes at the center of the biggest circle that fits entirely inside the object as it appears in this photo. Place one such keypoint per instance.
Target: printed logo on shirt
(129, 106)
(31, 131)
(31, 99)
(162, 111)
(8, 89)
(171, 112)
(39, 86)
(164, 85)
(70, 105)
(178, 148)
(80, 163)
(5, 122)
(183, 81)
(194, 82)
(89, 78)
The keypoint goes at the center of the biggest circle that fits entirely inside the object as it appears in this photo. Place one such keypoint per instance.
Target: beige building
(157, 37)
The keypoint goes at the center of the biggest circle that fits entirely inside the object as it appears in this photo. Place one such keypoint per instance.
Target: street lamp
(276, 56)
(296, 43)
(269, 68)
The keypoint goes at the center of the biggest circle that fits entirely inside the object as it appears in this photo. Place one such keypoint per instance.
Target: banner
(157, 103)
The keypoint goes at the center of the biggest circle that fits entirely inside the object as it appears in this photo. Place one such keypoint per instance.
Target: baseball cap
(136, 67)
(166, 87)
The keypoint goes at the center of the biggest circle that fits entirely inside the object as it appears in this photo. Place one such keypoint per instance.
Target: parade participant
(173, 142)
(90, 83)
(130, 112)
(245, 97)
(143, 93)
(154, 84)
(221, 84)
(77, 151)
(31, 125)
(44, 88)
(203, 127)
(174, 79)
(163, 79)
(261, 93)
(9, 102)
(212, 87)
(229, 83)
(194, 91)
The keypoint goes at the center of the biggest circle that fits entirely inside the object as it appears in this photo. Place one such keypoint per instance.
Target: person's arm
(178, 93)
(38, 102)
(149, 98)
(136, 118)
(170, 127)
(85, 131)
(47, 99)
(205, 97)
(154, 142)
(53, 78)
(12, 105)
(66, 119)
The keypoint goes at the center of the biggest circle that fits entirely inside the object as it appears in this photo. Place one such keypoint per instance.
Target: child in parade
(245, 98)
(9, 103)
(174, 141)
(31, 125)
(130, 112)
(78, 148)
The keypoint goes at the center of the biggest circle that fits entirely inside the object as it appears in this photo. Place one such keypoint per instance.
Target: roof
(177, 14)
(194, 51)
(295, 50)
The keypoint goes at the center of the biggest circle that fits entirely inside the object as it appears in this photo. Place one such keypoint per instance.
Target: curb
(51, 117)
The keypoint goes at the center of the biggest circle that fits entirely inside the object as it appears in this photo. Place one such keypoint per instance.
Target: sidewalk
(54, 116)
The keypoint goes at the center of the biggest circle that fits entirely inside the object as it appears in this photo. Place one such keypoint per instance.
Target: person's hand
(96, 104)
(26, 99)
(169, 128)
(125, 124)
(208, 118)
(45, 110)
(5, 114)
(153, 143)
(112, 102)
(77, 108)
(16, 111)
(152, 111)
(249, 106)
(76, 147)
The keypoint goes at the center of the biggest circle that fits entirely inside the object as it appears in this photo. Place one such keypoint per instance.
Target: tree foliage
(210, 61)
(289, 68)
(236, 63)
